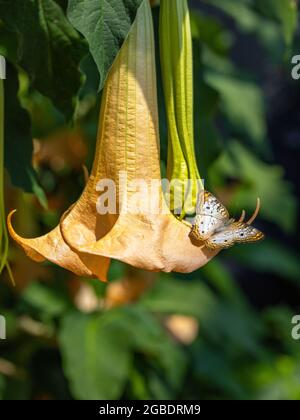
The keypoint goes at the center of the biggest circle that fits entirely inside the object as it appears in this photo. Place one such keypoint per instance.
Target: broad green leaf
(16, 389)
(96, 357)
(105, 25)
(105, 343)
(49, 49)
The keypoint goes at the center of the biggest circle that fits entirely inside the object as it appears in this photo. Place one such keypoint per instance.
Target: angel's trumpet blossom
(127, 150)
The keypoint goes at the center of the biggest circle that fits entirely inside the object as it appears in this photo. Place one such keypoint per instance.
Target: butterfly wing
(211, 215)
(229, 235)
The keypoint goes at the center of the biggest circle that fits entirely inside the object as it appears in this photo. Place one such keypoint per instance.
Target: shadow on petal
(52, 247)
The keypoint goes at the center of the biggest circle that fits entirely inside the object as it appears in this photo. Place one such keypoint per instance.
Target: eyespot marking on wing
(237, 232)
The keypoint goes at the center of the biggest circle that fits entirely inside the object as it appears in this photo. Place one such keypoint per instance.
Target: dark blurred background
(223, 332)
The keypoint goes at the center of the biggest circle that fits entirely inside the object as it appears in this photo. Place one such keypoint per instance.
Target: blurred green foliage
(244, 348)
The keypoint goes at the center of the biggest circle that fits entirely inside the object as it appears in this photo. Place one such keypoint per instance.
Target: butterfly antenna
(254, 216)
(242, 218)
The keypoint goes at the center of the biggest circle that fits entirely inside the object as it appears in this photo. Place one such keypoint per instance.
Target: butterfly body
(213, 226)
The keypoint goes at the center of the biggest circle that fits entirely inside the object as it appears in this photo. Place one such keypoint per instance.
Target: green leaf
(18, 139)
(257, 179)
(96, 356)
(105, 25)
(49, 49)
(45, 300)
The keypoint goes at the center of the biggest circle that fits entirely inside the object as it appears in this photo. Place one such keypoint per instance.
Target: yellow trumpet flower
(127, 143)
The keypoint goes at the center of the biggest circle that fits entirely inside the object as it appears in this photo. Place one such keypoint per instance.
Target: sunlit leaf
(243, 105)
(105, 25)
(283, 11)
